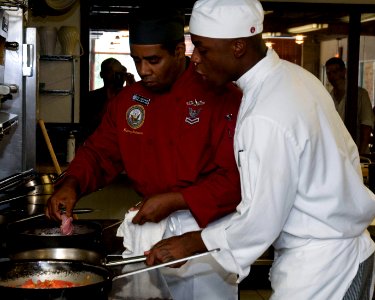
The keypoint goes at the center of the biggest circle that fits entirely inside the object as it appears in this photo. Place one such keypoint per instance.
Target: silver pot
(41, 188)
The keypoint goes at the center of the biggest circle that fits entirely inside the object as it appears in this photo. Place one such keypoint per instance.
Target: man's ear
(180, 49)
(239, 47)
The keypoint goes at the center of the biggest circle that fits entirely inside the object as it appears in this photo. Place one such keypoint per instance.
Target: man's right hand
(63, 199)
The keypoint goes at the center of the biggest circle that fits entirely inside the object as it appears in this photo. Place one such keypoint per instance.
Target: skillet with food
(44, 233)
(36, 280)
(61, 279)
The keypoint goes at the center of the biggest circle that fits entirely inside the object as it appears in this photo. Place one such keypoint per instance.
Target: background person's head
(157, 46)
(336, 71)
(113, 73)
(228, 38)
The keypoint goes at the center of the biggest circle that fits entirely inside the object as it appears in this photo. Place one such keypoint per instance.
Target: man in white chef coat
(336, 75)
(302, 187)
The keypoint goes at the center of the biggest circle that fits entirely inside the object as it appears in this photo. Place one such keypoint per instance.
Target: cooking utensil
(95, 280)
(49, 146)
(75, 211)
(75, 254)
(94, 257)
(169, 263)
(13, 198)
(43, 179)
(16, 179)
(44, 233)
(35, 190)
(113, 225)
(70, 254)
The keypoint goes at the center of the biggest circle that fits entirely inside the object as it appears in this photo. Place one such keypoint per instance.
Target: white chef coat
(302, 188)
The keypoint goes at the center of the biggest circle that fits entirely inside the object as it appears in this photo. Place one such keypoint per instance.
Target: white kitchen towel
(139, 238)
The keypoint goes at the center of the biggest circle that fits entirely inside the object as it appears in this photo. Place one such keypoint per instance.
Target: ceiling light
(299, 39)
(276, 36)
(269, 44)
(367, 18)
(307, 28)
(267, 35)
(364, 18)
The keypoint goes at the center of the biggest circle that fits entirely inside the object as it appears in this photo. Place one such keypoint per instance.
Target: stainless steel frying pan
(93, 281)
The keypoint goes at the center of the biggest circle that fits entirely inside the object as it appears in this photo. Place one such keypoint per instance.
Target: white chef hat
(226, 18)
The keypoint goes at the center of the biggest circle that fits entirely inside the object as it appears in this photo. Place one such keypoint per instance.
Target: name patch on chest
(141, 99)
(135, 116)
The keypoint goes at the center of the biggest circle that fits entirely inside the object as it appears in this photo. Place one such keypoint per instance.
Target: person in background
(114, 75)
(336, 75)
(173, 136)
(301, 182)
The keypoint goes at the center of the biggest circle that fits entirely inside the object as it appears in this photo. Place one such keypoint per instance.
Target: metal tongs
(75, 211)
(143, 258)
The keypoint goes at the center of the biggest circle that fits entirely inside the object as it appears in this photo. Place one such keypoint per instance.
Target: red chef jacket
(180, 140)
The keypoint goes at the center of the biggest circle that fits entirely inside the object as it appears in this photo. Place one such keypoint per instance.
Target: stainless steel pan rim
(93, 257)
(72, 254)
(75, 254)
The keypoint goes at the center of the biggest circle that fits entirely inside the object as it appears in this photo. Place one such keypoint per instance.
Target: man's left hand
(176, 247)
(158, 207)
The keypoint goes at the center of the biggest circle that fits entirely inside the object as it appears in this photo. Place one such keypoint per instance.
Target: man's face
(212, 58)
(335, 74)
(157, 67)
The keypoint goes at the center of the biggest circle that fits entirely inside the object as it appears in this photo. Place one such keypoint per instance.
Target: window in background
(105, 44)
(367, 54)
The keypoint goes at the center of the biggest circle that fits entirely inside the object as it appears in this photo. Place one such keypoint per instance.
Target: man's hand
(65, 197)
(158, 207)
(176, 247)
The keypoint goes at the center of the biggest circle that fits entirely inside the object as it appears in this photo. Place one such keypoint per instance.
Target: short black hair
(335, 61)
(107, 63)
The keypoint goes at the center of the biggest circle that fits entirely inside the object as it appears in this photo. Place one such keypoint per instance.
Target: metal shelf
(57, 57)
(71, 92)
(57, 92)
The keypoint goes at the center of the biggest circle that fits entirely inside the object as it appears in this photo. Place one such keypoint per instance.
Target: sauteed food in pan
(48, 284)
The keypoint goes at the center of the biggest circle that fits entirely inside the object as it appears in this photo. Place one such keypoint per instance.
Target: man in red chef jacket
(173, 136)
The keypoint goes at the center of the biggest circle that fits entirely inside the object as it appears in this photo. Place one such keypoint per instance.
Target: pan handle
(125, 261)
(28, 189)
(172, 262)
(18, 178)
